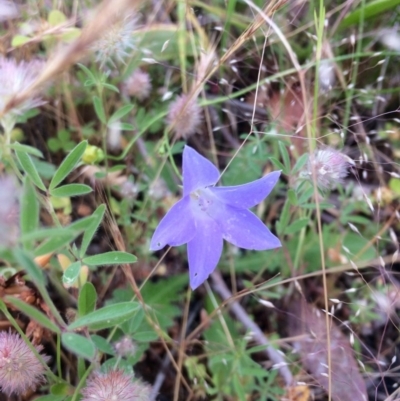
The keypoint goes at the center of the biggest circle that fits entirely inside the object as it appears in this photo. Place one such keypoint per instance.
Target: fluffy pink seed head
(115, 385)
(138, 85)
(117, 42)
(15, 78)
(330, 168)
(184, 115)
(20, 370)
(9, 211)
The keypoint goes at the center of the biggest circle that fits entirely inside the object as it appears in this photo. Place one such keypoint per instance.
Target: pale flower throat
(201, 200)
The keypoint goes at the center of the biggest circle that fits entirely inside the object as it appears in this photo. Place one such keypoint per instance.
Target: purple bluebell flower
(206, 215)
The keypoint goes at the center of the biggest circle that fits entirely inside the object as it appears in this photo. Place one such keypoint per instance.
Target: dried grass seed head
(114, 385)
(184, 116)
(20, 369)
(330, 166)
(16, 77)
(138, 85)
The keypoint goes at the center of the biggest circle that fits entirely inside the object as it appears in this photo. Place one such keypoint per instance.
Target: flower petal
(176, 228)
(198, 172)
(247, 195)
(243, 228)
(204, 251)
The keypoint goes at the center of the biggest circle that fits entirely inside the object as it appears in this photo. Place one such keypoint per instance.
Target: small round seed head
(8, 10)
(330, 168)
(114, 136)
(20, 370)
(326, 76)
(114, 45)
(125, 347)
(184, 116)
(138, 85)
(115, 385)
(9, 211)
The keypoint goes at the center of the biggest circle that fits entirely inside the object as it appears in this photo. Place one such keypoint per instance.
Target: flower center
(201, 201)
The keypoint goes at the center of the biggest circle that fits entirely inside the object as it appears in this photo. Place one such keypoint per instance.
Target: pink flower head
(20, 369)
(15, 78)
(138, 85)
(184, 115)
(115, 385)
(330, 168)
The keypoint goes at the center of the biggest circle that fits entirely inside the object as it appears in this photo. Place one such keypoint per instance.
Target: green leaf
(81, 224)
(46, 170)
(278, 164)
(97, 217)
(117, 167)
(110, 258)
(371, 9)
(291, 195)
(86, 70)
(26, 149)
(79, 345)
(88, 83)
(70, 190)
(34, 314)
(394, 185)
(68, 164)
(102, 344)
(127, 127)
(285, 155)
(72, 273)
(152, 40)
(284, 218)
(19, 40)
(87, 299)
(27, 263)
(60, 389)
(99, 109)
(56, 17)
(54, 144)
(297, 226)
(305, 196)
(109, 316)
(51, 397)
(322, 205)
(45, 233)
(30, 169)
(111, 87)
(120, 113)
(55, 243)
(145, 336)
(29, 216)
(301, 161)
(133, 324)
